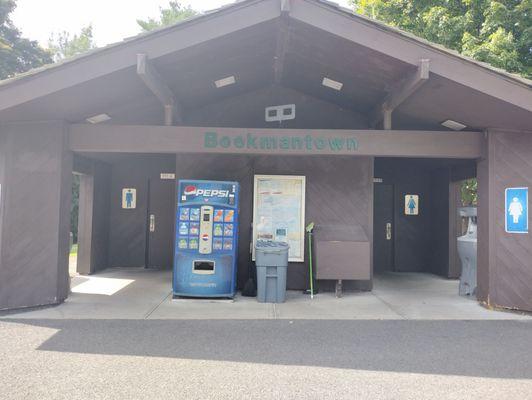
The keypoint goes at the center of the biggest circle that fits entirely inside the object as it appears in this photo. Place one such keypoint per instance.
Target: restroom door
(161, 210)
(383, 229)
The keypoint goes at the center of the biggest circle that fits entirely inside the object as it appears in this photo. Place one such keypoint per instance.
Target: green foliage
(62, 45)
(497, 32)
(169, 16)
(74, 207)
(17, 54)
(469, 192)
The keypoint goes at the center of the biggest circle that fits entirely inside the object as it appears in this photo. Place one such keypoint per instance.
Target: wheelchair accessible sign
(516, 210)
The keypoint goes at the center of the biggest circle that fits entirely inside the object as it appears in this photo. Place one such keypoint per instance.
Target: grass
(74, 250)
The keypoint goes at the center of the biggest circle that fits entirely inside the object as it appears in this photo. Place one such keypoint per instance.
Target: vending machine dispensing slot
(203, 267)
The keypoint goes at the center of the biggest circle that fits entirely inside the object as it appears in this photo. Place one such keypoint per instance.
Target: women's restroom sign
(516, 207)
(129, 198)
(412, 204)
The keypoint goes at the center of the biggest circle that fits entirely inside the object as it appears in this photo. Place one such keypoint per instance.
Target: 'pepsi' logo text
(191, 190)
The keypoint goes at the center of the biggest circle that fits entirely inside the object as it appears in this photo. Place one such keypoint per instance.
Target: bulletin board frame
(297, 250)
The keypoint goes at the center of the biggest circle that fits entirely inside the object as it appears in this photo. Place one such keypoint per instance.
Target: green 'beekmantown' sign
(275, 142)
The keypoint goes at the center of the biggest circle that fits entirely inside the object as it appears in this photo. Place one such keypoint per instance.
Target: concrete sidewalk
(137, 293)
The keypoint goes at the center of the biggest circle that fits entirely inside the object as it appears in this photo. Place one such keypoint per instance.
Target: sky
(112, 20)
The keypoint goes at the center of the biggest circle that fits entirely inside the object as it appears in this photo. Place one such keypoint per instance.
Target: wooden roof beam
(283, 40)
(403, 91)
(285, 6)
(150, 76)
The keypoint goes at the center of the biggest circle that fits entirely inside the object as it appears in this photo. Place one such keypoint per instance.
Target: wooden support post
(283, 40)
(383, 112)
(154, 82)
(338, 289)
(387, 119)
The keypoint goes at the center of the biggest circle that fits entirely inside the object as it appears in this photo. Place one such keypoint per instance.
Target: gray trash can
(271, 259)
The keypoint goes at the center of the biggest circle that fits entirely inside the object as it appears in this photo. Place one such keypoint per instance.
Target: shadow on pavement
(496, 349)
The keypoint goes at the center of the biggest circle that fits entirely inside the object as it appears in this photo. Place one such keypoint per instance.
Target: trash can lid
(270, 245)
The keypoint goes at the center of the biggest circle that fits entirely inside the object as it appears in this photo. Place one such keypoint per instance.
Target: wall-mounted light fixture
(280, 113)
(332, 84)
(96, 119)
(455, 126)
(220, 83)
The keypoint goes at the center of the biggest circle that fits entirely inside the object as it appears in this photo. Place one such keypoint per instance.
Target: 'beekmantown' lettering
(264, 142)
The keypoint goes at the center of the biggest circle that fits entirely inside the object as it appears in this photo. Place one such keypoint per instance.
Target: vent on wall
(280, 113)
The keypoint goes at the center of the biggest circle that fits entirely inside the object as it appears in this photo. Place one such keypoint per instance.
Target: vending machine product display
(206, 244)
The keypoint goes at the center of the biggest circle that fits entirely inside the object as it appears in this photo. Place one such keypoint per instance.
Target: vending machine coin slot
(152, 223)
(205, 246)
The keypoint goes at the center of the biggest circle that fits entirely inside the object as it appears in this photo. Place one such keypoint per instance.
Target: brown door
(383, 229)
(161, 210)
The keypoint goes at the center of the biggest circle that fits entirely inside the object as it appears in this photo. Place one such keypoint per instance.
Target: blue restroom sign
(411, 204)
(516, 207)
(129, 198)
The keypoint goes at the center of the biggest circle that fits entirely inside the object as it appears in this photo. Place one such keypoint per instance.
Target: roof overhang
(276, 42)
(120, 56)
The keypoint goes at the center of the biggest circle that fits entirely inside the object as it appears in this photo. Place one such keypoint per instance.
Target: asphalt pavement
(265, 359)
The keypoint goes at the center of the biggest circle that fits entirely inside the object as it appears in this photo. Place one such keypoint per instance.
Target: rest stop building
(190, 99)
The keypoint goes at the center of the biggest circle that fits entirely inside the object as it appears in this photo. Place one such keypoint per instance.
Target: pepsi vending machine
(206, 243)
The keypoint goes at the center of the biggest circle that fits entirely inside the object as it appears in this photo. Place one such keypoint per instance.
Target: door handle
(389, 231)
(152, 222)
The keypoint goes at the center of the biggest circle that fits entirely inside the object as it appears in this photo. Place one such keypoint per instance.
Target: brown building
(190, 100)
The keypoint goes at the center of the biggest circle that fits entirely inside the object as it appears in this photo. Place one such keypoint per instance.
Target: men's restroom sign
(129, 198)
(516, 207)
(411, 204)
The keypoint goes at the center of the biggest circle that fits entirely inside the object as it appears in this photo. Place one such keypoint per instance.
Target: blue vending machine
(206, 242)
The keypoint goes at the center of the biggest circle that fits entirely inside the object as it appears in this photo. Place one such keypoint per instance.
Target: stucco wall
(504, 264)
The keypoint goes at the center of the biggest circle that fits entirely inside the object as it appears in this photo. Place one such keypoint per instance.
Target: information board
(279, 212)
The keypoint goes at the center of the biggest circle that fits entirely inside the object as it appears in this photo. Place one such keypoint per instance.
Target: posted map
(279, 211)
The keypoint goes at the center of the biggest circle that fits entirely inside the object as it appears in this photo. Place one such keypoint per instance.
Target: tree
(17, 54)
(498, 32)
(469, 191)
(74, 207)
(62, 45)
(169, 16)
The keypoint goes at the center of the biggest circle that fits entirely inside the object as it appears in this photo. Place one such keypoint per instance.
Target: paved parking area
(264, 359)
(121, 336)
(136, 293)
